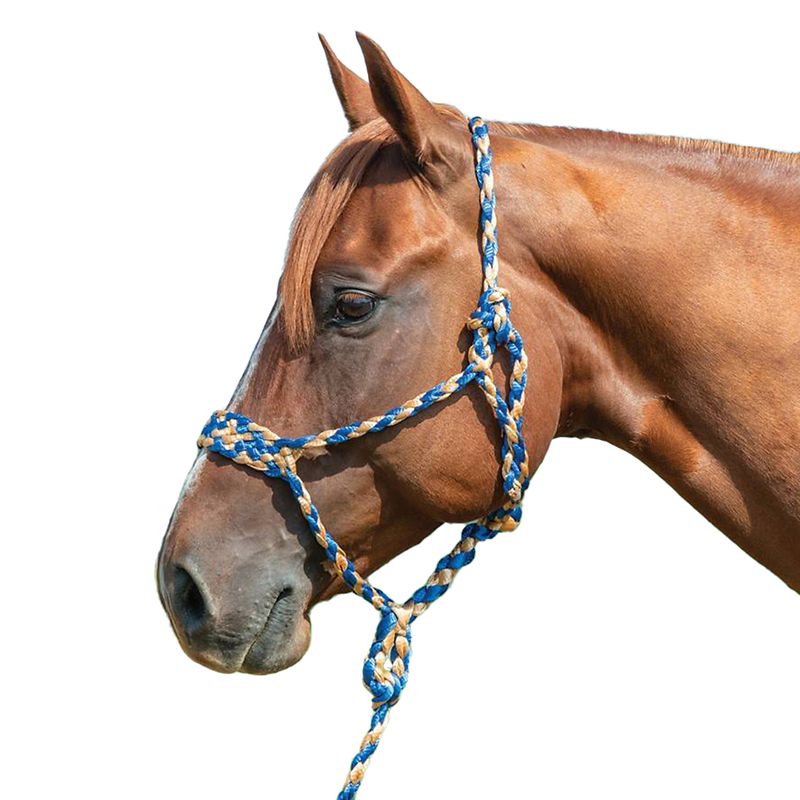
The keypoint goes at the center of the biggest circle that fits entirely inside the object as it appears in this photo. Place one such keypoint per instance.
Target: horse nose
(252, 619)
(188, 601)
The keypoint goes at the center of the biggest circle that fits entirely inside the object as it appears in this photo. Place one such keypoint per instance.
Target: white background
(152, 156)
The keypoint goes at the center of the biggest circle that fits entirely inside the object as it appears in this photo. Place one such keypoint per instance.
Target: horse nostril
(188, 603)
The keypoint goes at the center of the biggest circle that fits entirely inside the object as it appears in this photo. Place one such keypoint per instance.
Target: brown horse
(656, 282)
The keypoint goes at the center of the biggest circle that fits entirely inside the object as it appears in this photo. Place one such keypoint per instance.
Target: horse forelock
(320, 207)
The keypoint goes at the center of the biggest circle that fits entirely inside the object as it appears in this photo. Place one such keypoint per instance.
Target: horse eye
(353, 306)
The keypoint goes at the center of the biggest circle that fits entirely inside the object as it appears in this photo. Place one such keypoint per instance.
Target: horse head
(381, 273)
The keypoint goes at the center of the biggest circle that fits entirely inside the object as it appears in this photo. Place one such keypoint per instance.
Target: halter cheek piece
(236, 437)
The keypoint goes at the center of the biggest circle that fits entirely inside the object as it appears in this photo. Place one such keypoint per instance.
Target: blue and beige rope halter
(245, 442)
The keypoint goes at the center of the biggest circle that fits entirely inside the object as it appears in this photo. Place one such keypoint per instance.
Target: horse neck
(644, 260)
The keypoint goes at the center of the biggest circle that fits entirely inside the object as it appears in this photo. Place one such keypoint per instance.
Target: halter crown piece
(236, 437)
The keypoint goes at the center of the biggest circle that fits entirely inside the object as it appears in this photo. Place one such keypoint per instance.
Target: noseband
(236, 437)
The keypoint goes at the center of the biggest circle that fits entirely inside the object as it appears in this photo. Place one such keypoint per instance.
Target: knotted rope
(236, 437)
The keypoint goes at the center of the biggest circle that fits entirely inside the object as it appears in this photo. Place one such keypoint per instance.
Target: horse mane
(555, 135)
(320, 207)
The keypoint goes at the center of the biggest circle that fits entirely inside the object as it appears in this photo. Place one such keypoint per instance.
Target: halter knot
(493, 314)
(385, 671)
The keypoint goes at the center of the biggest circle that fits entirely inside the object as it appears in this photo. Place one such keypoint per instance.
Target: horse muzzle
(257, 627)
(233, 580)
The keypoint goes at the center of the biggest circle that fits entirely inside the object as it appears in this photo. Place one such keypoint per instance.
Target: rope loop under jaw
(234, 436)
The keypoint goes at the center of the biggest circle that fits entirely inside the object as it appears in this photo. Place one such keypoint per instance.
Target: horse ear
(354, 92)
(427, 133)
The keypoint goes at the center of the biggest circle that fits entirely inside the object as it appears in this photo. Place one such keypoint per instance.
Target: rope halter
(240, 439)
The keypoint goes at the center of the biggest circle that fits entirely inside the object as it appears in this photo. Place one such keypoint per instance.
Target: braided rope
(238, 438)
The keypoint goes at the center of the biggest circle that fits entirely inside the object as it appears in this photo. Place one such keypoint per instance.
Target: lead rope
(234, 436)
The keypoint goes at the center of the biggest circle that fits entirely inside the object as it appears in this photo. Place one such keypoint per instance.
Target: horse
(656, 282)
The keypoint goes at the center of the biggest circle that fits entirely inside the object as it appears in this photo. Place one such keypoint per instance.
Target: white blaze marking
(244, 383)
(191, 479)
